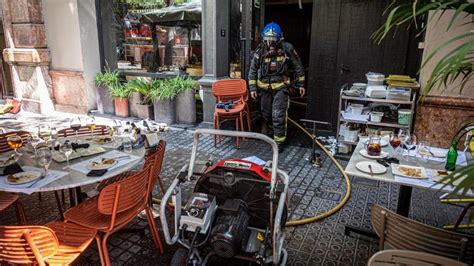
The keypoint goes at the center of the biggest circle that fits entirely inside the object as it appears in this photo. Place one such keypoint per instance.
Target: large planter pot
(145, 111)
(105, 102)
(121, 107)
(165, 111)
(135, 100)
(186, 107)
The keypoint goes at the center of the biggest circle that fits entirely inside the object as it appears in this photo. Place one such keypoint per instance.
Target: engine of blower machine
(230, 228)
(231, 207)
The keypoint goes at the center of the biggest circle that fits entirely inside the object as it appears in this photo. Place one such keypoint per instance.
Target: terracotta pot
(121, 107)
(145, 111)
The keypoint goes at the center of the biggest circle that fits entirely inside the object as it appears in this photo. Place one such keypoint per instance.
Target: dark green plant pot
(164, 111)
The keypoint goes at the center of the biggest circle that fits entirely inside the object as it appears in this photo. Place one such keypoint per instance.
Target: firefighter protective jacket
(269, 69)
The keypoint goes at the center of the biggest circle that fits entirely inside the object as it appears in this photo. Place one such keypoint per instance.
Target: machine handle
(241, 134)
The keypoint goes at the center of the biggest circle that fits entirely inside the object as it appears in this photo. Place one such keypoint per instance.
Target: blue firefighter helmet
(272, 32)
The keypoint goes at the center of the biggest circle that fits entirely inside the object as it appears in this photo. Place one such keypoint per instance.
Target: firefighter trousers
(274, 108)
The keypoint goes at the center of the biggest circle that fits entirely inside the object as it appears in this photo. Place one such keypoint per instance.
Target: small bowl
(376, 116)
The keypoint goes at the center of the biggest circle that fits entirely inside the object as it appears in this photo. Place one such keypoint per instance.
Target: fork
(43, 175)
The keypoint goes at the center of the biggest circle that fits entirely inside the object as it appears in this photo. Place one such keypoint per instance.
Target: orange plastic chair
(232, 90)
(100, 130)
(9, 199)
(57, 243)
(116, 206)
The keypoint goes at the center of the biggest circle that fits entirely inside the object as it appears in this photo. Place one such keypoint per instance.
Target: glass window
(158, 36)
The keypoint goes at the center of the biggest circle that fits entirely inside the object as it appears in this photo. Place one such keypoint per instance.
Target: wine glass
(395, 142)
(43, 158)
(15, 142)
(66, 149)
(410, 143)
(44, 132)
(75, 124)
(35, 141)
(423, 149)
(91, 125)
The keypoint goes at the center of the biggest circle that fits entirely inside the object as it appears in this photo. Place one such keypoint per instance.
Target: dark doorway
(342, 51)
(6, 88)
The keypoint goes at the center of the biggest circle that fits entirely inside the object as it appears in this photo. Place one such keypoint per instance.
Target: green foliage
(162, 90)
(111, 80)
(457, 62)
(183, 83)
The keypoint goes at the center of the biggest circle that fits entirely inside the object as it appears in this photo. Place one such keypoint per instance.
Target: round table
(75, 179)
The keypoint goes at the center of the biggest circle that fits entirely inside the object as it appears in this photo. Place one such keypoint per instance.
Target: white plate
(383, 142)
(96, 165)
(377, 168)
(22, 177)
(6, 161)
(438, 175)
(397, 170)
(364, 153)
(439, 153)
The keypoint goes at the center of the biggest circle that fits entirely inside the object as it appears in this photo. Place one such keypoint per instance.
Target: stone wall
(27, 54)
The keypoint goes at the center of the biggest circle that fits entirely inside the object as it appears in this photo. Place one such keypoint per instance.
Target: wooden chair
(231, 90)
(115, 207)
(400, 232)
(100, 130)
(57, 243)
(410, 258)
(9, 199)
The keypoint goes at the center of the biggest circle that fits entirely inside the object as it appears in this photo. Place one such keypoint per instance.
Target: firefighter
(269, 76)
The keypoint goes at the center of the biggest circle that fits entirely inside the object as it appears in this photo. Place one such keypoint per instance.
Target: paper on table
(92, 150)
(460, 161)
(52, 175)
(82, 166)
(254, 159)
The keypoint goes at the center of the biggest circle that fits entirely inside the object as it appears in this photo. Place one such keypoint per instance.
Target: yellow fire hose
(339, 167)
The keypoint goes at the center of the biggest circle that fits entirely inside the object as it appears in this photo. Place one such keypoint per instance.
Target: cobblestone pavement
(312, 191)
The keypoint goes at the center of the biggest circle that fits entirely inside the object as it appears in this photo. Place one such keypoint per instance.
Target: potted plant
(185, 100)
(104, 81)
(120, 92)
(142, 104)
(163, 95)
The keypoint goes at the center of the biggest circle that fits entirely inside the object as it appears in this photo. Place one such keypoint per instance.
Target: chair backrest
(157, 158)
(27, 244)
(403, 233)
(410, 258)
(3, 139)
(84, 131)
(229, 90)
(129, 194)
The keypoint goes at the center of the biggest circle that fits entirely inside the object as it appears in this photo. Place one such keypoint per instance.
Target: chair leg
(100, 248)
(248, 121)
(461, 216)
(39, 196)
(63, 197)
(237, 129)
(20, 213)
(154, 229)
(218, 127)
(105, 251)
(58, 202)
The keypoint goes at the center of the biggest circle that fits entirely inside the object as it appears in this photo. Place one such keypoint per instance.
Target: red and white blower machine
(236, 211)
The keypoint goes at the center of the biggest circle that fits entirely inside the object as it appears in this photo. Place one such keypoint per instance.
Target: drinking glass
(35, 141)
(409, 142)
(423, 149)
(75, 124)
(66, 149)
(44, 132)
(15, 142)
(127, 146)
(43, 158)
(395, 142)
(91, 125)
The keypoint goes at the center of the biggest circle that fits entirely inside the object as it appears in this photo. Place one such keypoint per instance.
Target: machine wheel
(179, 257)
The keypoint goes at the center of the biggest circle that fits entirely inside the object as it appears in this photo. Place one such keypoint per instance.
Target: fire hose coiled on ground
(339, 167)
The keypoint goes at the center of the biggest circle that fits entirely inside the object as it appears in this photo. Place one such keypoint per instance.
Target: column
(215, 51)
(27, 54)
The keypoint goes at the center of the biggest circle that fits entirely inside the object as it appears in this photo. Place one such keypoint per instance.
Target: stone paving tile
(312, 191)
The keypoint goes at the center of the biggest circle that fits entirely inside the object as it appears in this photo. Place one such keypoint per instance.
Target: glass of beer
(374, 148)
(15, 142)
(91, 125)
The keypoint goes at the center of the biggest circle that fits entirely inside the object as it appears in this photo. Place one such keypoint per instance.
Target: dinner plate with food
(101, 164)
(22, 177)
(409, 171)
(8, 160)
(103, 140)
